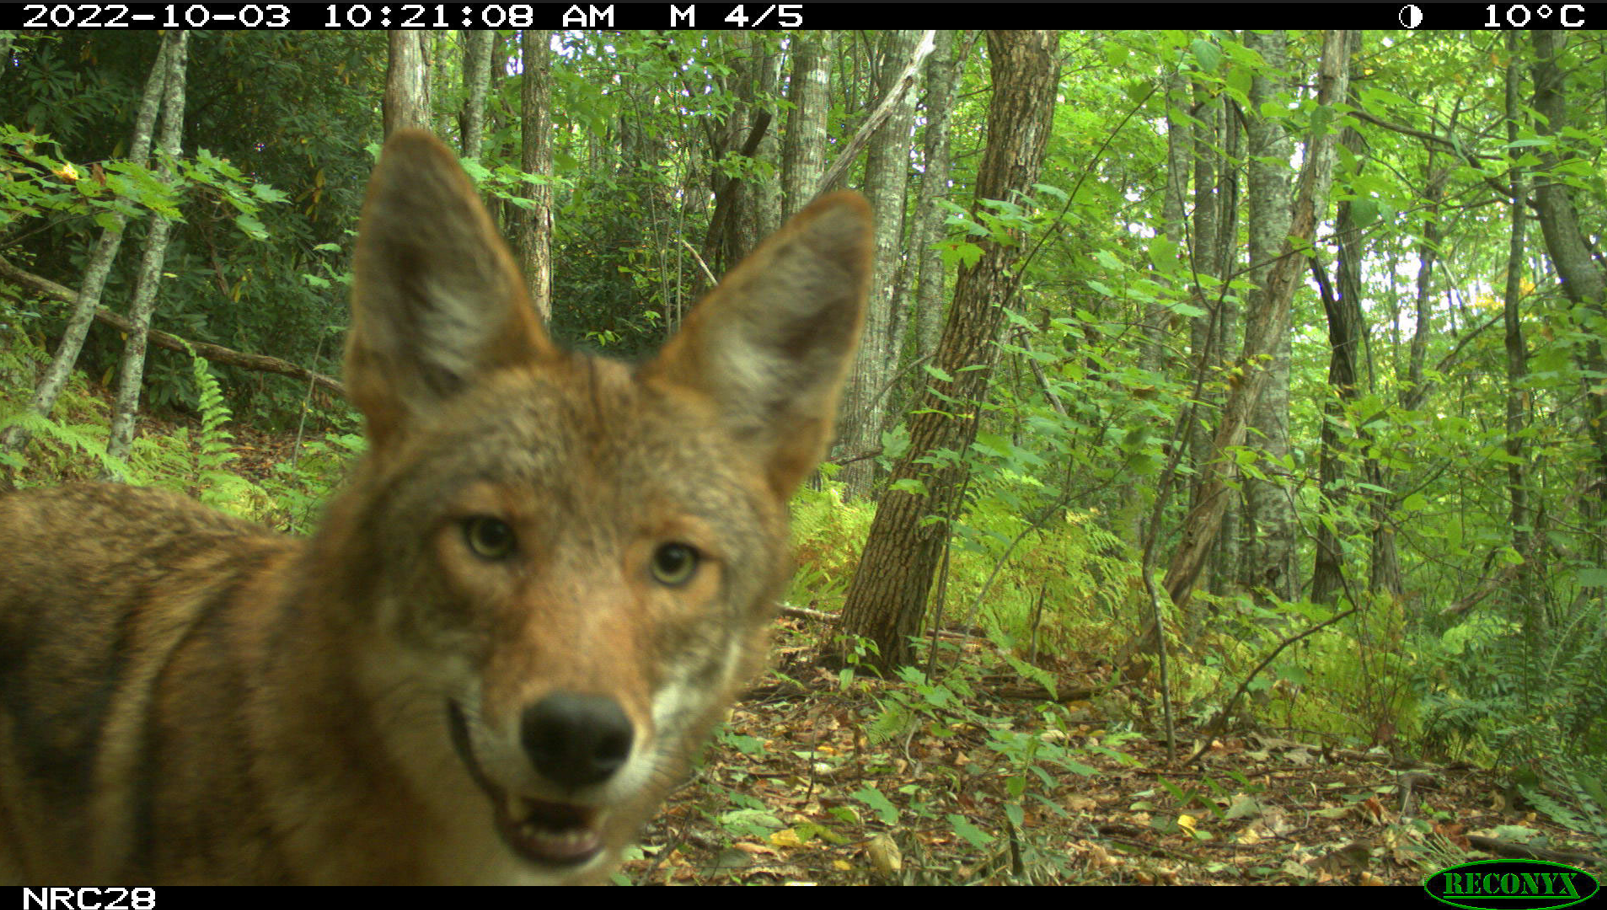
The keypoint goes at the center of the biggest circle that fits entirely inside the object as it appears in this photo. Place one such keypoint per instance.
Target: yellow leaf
(786, 837)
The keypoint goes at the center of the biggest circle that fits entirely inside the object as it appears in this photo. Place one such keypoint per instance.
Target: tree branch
(211, 352)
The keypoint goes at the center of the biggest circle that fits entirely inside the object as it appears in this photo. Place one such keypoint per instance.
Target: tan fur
(185, 697)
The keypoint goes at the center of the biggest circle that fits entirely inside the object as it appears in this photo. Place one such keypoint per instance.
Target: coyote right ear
(436, 296)
(772, 343)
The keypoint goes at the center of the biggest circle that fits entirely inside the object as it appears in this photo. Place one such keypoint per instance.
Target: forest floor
(978, 778)
(794, 792)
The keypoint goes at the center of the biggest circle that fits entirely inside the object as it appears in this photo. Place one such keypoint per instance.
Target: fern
(214, 484)
(64, 438)
(892, 721)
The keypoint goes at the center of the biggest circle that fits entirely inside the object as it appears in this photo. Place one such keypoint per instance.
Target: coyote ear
(772, 343)
(436, 297)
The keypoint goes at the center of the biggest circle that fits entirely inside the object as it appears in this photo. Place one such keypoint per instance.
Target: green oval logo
(1511, 884)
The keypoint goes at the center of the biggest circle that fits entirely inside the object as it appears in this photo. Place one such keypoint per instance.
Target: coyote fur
(545, 582)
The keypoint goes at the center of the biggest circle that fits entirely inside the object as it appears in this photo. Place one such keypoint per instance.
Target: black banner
(784, 16)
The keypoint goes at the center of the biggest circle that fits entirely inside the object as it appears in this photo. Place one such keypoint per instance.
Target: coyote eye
(489, 538)
(674, 564)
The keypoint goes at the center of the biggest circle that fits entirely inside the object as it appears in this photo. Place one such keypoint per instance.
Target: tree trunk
(407, 82)
(1269, 521)
(942, 76)
(1262, 333)
(1205, 330)
(759, 203)
(884, 109)
(535, 223)
(886, 178)
(95, 271)
(888, 592)
(476, 81)
(1584, 278)
(803, 155)
(1386, 567)
(1343, 310)
(1517, 363)
(1227, 558)
(737, 138)
(1153, 350)
(142, 304)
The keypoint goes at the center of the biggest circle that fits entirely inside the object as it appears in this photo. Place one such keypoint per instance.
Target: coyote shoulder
(546, 579)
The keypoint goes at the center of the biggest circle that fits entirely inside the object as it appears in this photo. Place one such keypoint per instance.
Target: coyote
(545, 582)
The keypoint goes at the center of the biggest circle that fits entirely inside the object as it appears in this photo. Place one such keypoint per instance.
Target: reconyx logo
(1511, 884)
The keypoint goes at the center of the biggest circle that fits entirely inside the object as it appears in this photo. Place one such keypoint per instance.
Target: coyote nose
(576, 740)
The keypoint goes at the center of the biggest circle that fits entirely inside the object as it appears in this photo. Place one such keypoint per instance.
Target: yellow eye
(489, 538)
(674, 564)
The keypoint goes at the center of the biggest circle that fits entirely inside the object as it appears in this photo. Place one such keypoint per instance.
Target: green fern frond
(87, 439)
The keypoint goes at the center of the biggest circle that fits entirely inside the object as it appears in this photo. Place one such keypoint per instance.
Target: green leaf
(1188, 310)
(909, 485)
(268, 194)
(1364, 212)
(251, 227)
(1142, 464)
(1207, 54)
(1163, 255)
(973, 835)
(885, 810)
(1592, 578)
(955, 251)
(1052, 191)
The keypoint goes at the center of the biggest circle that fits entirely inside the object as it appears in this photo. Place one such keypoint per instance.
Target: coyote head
(561, 566)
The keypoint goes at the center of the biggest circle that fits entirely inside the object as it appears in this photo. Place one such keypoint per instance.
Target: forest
(1216, 496)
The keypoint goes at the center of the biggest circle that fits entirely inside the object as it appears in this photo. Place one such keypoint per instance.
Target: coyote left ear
(772, 343)
(436, 296)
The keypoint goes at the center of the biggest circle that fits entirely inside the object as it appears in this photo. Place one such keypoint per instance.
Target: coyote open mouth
(541, 831)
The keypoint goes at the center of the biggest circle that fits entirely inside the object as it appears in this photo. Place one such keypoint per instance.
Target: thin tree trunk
(1347, 337)
(476, 81)
(1262, 334)
(131, 371)
(884, 109)
(95, 272)
(1517, 362)
(536, 223)
(1207, 122)
(886, 178)
(1343, 310)
(942, 76)
(888, 592)
(1153, 354)
(759, 202)
(1386, 568)
(1205, 256)
(1226, 561)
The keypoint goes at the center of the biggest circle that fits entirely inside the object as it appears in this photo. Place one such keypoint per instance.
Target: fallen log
(211, 352)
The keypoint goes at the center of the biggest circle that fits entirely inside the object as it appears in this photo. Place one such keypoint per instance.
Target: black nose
(576, 740)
